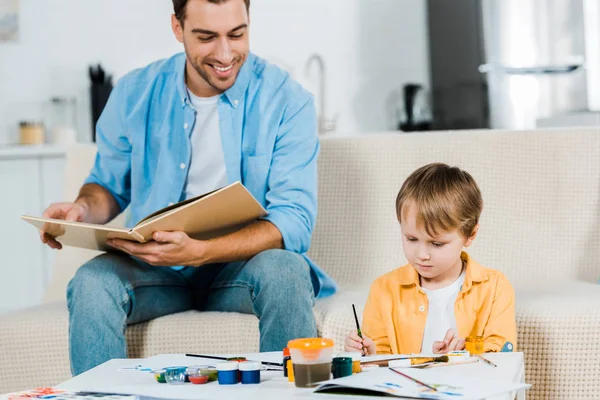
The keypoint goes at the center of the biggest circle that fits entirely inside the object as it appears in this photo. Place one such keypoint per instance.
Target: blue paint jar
(227, 372)
(250, 372)
(175, 375)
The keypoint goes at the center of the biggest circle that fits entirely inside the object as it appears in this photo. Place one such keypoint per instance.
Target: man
(179, 128)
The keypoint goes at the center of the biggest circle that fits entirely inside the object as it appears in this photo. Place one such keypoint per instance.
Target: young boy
(442, 296)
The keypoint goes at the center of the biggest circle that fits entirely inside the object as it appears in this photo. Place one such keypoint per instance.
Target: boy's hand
(355, 343)
(450, 343)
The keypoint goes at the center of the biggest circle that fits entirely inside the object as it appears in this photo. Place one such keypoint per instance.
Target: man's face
(215, 37)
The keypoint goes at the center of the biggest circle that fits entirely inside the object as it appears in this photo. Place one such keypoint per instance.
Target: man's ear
(472, 237)
(177, 28)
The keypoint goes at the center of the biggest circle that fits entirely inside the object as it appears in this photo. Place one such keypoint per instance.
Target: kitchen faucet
(325, 125)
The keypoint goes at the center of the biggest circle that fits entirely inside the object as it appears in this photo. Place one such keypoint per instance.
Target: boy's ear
(472, 237)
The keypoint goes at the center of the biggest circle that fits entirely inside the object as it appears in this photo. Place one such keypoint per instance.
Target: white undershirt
(207, 167)
(440, 316)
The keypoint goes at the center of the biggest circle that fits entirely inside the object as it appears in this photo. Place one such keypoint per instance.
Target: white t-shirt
(440, 316)
(207, 168)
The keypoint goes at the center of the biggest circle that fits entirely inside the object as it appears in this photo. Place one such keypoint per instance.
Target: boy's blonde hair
(446, 198)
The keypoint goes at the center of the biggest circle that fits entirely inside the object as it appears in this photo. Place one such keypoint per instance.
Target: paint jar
(227, 372)
(159, 375)
(356, 358)
(311, 360)
(286, 357)
(290, 369)
(341, 367)
(195, 376)
(474, 344)
(175, 375)
(210, 372)
(250, 372)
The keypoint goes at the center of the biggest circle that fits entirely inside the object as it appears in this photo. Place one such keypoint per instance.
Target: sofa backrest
(540, 222)
(541, 218)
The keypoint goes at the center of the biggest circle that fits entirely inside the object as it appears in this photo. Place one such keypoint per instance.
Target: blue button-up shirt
(268, 133)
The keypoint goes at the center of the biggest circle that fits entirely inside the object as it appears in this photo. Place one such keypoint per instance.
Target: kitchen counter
(32, 151)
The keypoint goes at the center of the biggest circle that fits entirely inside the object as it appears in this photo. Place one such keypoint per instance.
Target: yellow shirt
(396, 310)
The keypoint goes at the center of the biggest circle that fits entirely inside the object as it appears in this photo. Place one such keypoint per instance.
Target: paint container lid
(228, 366)
(354, 355)
(399, 363)
(250, 366)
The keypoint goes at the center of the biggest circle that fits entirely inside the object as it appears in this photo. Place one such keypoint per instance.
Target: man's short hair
(179, 7)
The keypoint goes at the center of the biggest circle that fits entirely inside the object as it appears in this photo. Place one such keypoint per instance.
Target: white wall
(371, 47)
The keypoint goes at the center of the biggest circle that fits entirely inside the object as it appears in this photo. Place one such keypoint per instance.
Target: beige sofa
(540, 226)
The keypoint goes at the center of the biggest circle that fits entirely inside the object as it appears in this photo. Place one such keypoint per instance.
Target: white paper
(449, 384)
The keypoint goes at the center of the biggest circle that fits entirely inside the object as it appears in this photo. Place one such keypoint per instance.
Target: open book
(207, 216)
(449, 384)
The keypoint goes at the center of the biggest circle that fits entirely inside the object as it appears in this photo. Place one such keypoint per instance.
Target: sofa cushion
(557, 326)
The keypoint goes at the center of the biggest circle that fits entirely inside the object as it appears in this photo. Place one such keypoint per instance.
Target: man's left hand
(166, 249)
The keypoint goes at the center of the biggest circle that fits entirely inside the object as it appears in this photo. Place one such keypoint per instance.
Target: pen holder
(99, 94)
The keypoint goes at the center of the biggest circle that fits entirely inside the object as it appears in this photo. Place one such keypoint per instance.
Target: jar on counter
(31, 133)
(63, 120)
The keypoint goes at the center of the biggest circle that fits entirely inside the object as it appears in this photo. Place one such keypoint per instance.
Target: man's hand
(167, 249)
(450, 343)
(75, 212)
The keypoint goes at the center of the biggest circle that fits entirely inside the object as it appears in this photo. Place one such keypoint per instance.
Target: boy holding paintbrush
(442, 295)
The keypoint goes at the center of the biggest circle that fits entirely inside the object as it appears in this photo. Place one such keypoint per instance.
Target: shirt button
(421, 308)
(185, 126)
(182, 166)
(236, 102)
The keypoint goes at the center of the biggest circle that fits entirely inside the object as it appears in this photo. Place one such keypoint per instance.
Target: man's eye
(206, 39)
(237, 36)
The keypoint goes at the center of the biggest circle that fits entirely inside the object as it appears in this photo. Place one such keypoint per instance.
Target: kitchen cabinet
(30, 179)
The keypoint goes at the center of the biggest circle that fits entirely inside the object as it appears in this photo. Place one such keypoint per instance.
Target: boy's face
(436, 259)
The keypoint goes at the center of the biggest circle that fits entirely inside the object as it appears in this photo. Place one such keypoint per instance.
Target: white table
(109, 377)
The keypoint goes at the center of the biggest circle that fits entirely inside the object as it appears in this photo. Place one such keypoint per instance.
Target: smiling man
(176, 129)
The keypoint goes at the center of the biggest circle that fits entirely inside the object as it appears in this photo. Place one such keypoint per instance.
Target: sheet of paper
(448, 383)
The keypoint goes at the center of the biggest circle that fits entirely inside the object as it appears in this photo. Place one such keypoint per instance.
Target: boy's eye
(411, 239)
(437, 244)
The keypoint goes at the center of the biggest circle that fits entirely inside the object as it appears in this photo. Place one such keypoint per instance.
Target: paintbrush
(226, 358)
(414, 380)
(358, 330)
(413, 360)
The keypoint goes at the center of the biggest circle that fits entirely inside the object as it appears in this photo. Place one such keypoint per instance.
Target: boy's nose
(423, 254)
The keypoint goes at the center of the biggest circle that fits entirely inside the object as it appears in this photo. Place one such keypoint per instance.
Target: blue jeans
(114, 290)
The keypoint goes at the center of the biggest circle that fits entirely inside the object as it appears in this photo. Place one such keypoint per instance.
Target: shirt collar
(474, 273)
(234, 94)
